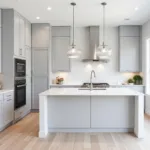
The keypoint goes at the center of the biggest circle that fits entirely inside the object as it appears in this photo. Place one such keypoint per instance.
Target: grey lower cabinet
(40, 35)
(112, 112)
(60, 60)
(39, 74)
(130, 54)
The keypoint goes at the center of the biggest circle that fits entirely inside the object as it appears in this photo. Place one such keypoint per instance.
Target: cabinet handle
(9, 99)
(20, 51)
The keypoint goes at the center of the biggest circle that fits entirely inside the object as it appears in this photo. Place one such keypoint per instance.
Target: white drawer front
(8, 95)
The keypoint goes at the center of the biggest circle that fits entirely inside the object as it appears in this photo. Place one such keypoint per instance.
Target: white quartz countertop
(77, 92)
(5, 91)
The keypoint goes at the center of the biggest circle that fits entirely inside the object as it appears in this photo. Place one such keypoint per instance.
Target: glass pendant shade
(73, 52)
(104, 53)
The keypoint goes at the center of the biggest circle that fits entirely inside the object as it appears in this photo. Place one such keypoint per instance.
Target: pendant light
(73, 52)
(103, 52)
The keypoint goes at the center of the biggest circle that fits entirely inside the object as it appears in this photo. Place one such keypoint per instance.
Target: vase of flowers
(59, 80)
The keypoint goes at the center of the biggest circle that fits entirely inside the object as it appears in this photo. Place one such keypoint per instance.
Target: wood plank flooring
(24, 136)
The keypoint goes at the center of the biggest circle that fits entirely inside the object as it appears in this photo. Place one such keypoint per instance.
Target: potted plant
(137, 79)
(130, 81)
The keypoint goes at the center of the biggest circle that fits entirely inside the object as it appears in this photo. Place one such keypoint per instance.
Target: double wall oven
(20, 83)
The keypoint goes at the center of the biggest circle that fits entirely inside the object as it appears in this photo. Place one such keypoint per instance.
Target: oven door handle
(21, 85)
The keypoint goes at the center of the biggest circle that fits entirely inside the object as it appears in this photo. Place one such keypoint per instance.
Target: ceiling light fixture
(37, 18)
(136, 8)
(73, 52)
(49, 8)
(102, 52)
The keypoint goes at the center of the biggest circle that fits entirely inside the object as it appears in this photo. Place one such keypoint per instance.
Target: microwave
(20, 68)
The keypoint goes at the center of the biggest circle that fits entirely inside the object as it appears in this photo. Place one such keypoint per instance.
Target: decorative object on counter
(138, 79)
(102, 52)
(59, 80)
(73, 52)
(131, 82)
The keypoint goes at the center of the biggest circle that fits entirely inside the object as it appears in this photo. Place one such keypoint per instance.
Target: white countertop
(77, 92)
(5, 91)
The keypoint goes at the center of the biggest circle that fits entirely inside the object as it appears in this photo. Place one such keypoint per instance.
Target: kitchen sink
(92, 89)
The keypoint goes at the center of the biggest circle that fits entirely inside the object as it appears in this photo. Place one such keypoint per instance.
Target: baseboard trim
(93, 130)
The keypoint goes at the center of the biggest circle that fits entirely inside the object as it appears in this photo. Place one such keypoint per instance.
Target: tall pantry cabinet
(40, 64)
(16, 43)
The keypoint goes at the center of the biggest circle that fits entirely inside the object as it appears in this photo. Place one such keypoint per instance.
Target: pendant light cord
(73, 28)
(103, 26)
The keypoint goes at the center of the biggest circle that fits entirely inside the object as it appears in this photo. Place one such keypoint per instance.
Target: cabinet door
(28, 61)
(40, 35)
(22, 37)
(129, 54)
(39, 85)
(28, 94)
(60, 60)
(28, 34)
(129, 30)
(112, 112)
(60, 31)
(40, 74)
(8, 110)
(0, 18)
(16, 35)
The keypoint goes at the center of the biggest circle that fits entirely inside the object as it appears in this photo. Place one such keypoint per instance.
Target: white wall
(145, 63)
(80, 71)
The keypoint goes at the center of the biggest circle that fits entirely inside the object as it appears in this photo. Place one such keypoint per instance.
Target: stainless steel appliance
(20, 93)
(95, 86)
(20, 68)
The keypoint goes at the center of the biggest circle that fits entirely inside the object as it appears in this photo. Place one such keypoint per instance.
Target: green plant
(137, 79)
(130, 81)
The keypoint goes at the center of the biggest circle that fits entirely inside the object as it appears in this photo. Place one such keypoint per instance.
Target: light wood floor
(24, 136)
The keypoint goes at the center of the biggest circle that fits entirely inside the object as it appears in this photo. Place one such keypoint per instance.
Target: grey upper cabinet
(129, 48)
(61, 31)
(129, 30)
(0, 18)
(129, 52)
(60, 47)
(40, 35)
(28, 33)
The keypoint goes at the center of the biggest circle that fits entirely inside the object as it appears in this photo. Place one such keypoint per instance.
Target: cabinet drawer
(1, 97)
(19, 113)
(8, 95)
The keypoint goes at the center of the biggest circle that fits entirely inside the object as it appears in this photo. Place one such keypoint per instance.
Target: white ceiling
(88, 12)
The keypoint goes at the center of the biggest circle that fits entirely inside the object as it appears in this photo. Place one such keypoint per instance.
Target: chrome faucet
(91, 84)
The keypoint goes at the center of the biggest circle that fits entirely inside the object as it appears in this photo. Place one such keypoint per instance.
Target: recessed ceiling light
(49, 8)
(136, 8)
(37, 18)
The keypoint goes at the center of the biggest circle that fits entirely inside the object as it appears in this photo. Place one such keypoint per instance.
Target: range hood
(93, 44)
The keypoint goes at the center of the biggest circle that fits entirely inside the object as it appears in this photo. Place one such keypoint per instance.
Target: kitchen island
(78, 110)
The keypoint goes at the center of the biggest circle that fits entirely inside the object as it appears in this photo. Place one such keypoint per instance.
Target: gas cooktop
(95, 85)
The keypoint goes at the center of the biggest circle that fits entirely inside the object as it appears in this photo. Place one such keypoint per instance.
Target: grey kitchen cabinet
(19, 35)
(40, 74)
(0, 50)
(60, 31)
(40, 35)
(129, 30)
(129, 48)
(130, 54)
(60, 60)
(112, 105)
(28, 61)
(28, 95)
(0, 18)
(27, 33)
